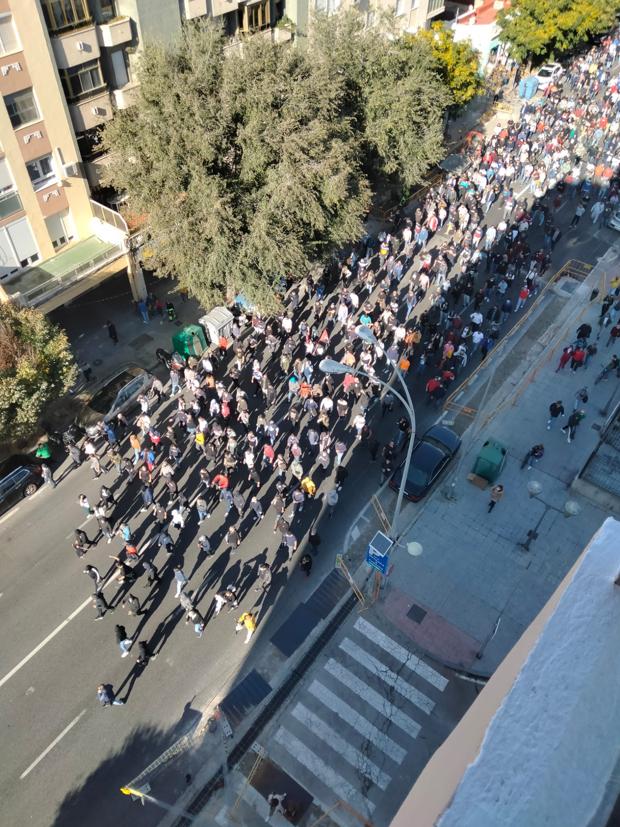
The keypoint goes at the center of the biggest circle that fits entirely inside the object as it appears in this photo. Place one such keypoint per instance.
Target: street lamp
(331, 366)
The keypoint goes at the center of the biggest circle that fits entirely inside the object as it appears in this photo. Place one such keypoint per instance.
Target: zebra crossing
(345, 735)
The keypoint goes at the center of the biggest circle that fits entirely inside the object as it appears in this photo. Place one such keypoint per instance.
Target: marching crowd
(263, 431)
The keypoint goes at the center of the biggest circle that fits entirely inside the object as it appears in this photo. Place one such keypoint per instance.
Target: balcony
(114, 32)
(81, 266)
(91, 112)
(223, 6)
(435, 7)
(76, 47)
(125, 96)
(196, 8)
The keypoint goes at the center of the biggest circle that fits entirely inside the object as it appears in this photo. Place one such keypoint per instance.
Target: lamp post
(331, 366)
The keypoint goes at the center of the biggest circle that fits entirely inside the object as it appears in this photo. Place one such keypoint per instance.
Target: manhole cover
(141, 340)
(416, 613)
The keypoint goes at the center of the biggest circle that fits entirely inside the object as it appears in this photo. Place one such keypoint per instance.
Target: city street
(67, 757)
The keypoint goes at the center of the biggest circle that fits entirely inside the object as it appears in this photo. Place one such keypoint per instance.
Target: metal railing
(109, 216)
(47, 289)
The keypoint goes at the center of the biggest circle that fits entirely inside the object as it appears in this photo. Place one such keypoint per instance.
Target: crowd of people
(263, 432)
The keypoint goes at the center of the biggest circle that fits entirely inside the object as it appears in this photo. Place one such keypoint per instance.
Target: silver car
(118, 395)
(614, 221)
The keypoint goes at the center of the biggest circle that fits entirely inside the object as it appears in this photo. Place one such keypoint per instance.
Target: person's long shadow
(164, 629)
(130, 680)
(213, 575)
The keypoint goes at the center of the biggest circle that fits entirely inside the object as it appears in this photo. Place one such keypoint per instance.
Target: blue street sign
(379, 562)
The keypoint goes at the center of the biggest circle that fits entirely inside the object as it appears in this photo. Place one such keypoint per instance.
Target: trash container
(190, 341)
(217, 322)
(490, 460)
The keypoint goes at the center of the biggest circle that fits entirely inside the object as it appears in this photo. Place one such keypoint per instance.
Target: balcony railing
(10, 202)
(109, 216)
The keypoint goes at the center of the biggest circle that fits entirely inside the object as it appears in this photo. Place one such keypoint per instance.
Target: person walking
(247, 621)
(331, 501)
(305, 564)
(106, 696)
(101, 604)
(257, 508)
(152, 573)
(570, 429)
(204, 546)
(264, 578)
(556, 409)
(47, 475)
(535, 453)
(112, 331)
(579, 211)
(497, 492)
(581, 398)
(180, 579)
(93, 573)
(290, 542)
(233, 539)
(194, 616)
(228, 596)
(133, 604)
(123, 640)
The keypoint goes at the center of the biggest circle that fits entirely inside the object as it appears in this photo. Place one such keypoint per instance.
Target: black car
(430, 457)
(20, 476)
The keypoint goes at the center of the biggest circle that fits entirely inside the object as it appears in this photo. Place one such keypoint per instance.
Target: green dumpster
(190, 341)
(490, 460)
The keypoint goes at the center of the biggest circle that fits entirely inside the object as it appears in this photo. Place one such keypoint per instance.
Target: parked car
(117, 395)
(547, 75)
(20, 476)
(614, 221)
(431, 456)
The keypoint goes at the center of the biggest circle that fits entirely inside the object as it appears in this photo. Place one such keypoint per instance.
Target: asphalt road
(65, 757)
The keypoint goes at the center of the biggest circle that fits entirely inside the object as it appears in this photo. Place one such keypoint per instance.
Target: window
(107, 10)
(41, 171)
(60, 229)
(120, 76)
(90, 145)
(402, 7)
(10, 201)
(22, 108)
(81, 80)
(65, 14)
(9, 41)
(21, 243)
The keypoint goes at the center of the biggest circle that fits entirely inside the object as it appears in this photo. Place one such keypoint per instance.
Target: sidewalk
(479, 582)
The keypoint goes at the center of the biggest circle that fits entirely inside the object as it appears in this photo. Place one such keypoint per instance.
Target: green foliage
(458, 63)
(546, 29)
(36, 367)
(395, 96)
(242, 163)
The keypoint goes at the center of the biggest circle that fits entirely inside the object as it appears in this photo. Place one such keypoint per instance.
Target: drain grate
(417, 613)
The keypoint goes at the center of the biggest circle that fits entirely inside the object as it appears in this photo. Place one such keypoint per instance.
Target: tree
(458, 63)
(545, 29)
(242, 162)
(395, 97)
(36, 368)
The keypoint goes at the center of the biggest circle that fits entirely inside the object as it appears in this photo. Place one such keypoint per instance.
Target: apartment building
(410, 15)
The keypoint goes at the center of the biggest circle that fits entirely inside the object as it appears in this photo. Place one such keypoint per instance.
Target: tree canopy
(546, 29)
(242, 163)
(36, 368)
(458, 62)
(252, 163)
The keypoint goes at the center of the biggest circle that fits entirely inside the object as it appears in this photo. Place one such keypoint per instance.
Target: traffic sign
(377, 553)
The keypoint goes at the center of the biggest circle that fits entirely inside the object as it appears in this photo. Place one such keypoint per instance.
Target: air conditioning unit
(98, 110)
(70, 170)
(81, 46)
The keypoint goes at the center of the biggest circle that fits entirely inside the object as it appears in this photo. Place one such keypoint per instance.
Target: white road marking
(373, 698)
(52, 745)
(44, 642)
(391, 678)
(361, 763)
(400, 653)
(355, 533)
(358, 722)
(326, 775)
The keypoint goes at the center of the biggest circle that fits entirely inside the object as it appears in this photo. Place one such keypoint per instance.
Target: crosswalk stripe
(393, 648)
(373, 698)
(379, 669)
(358, 722)
(358, 760)
(326, 775)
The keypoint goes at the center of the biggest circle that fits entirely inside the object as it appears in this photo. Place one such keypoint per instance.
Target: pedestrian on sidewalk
(143, 653)
(535, 453)
(565, 358)
(290, 542)
(47, 475)
(556, 409)
(233, 539)
(106, 697)
(194, 616)
(204, 546)
(497, 492)
(79, 548)
(101, 604)
(180, 579)
(305, 564)
(570, 429)
(123, 639)
(581, 398)
(85, 504)
(112, 332)
(228, 596)
(257, 508)
(133, 605)
(614, 333)
(247, 621)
